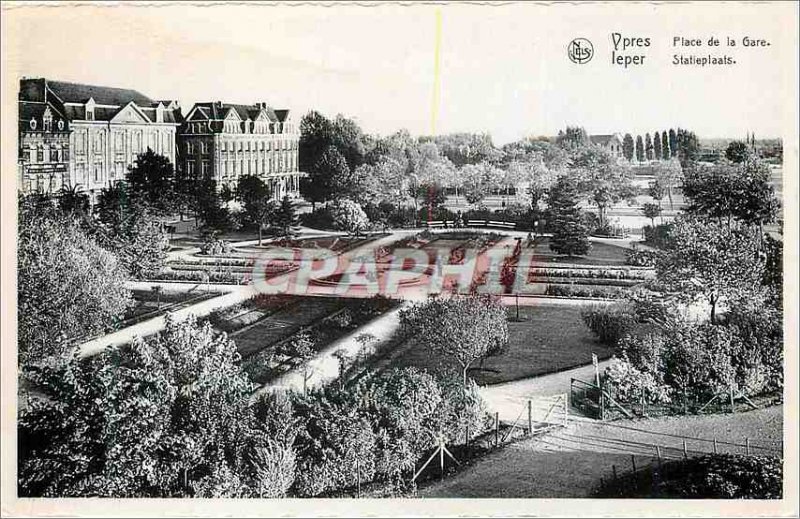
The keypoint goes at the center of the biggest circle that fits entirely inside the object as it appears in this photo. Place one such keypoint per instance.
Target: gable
(130, 114)
(232, 115)
(197, 114)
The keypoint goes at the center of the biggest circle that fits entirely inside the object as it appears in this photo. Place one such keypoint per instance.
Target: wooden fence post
(496, 429)
(715, 445)
(658, 454)
(633, 462)
(530, 417)
(747, 446)
(685, 452)
(733, 406)
(614, 468)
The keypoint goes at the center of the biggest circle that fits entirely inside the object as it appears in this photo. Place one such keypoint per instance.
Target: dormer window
(90, 110)
(60, 124)
(32, 124)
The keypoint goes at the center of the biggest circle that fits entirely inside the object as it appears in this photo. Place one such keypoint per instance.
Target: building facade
(227, 141)
(612, 143)
(107, 128)
(43, 154)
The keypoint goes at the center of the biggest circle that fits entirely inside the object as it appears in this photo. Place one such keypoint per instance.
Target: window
(204, 147)
(97, 172)
(190, 168)
(205, 168)
(90, 113)
(55, 155)
(40, 154)
(32, 124)
(31, 154)
(60, 124)
(65, 155)
(189, 148)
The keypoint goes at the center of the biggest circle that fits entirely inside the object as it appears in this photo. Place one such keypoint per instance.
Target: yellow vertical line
(436, 52)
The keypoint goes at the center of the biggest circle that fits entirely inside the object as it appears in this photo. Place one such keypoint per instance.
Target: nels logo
(580, 51)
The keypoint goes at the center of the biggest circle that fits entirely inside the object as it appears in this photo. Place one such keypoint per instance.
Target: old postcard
(399, 259)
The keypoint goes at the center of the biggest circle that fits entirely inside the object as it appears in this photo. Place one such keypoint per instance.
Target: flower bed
(599, 292)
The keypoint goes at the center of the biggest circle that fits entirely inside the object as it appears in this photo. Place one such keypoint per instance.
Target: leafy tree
(73, 200)
(706, 260)
(285, 218)
(158, 418)
(325, 177)
(302, 349)
(669, 175)
(656, 191)
(688, 147)
(603, 178)
(348, 216)
(256, 199)
(628, 147)
(639, 149)
(570, 235)
(648, 146)
(657, 146)
(479, 181)
(129, 229)
(737, 152)
(573, 137)
(651, 211)
(665, 146)
(741, 191)
(463, 329)
(208, 206)
(67, 285)
(151, 179)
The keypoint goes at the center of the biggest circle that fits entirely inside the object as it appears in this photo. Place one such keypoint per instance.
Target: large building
(226, 141)
(106, 128)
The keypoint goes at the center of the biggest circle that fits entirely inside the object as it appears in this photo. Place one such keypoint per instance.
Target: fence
(595, 402)
(454, 224)
(538, 416)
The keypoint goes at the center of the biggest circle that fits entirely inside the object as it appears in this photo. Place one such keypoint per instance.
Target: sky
(503, 69)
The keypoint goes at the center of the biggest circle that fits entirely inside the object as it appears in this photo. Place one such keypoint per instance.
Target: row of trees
(669, 144)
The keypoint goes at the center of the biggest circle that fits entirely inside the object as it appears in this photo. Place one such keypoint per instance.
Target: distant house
(612, 142)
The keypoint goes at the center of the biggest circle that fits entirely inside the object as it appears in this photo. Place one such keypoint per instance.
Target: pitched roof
(282, 115)
(80, 93)
(217, 111)
(602, 140)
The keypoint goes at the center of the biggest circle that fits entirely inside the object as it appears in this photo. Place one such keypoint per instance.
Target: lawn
(547, 338)
(600, 254)
(149, 304)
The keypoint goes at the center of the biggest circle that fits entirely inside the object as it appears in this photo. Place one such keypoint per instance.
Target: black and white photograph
(399, 259)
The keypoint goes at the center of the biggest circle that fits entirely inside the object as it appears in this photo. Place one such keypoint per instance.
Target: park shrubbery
(639, 257)
(609, 322)
(215, 247)
(657, 236)
(598, 292)
(200, 276)
(714, 476)
(633, 274)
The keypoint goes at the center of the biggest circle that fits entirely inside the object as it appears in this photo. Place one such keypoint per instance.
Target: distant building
(107, 129)
(43, 154)
(612, 143)
(226, 141)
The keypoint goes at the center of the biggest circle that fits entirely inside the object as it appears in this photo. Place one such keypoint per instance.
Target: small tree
(710, 261)
(639, 148)
(737, 152)
(628, 147)
(302, 347)
(348, 216)
(255, 197)
(665, 150)
(73, 200)
(463, 329)
(657, 146)
(656, 191)
(570, 234)
(152, 180)
(285, 218)
(648, 146)
(651, 211)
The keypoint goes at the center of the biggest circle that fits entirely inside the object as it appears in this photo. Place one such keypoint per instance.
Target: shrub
(598, 292)
(625, 383)
(215, 247)
(321, 218)
(657, 236)
(640, 257)
(609, 322)
(714, 476)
